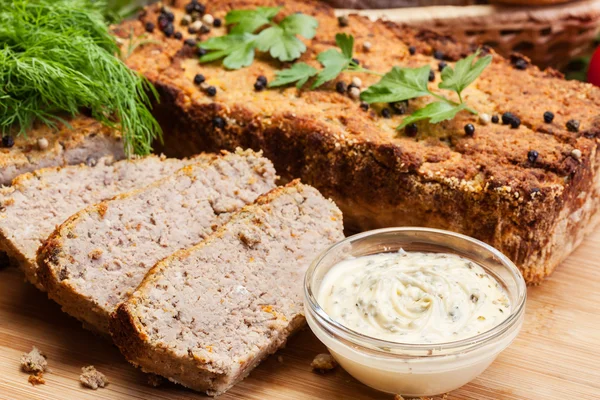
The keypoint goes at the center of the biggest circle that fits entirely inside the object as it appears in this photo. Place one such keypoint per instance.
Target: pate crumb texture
(323, 362)
(34, 361)
(91, 378)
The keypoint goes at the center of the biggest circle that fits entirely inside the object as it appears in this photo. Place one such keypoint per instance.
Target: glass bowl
(414, 370)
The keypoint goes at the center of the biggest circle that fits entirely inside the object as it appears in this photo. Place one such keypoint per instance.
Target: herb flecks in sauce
(413, 297)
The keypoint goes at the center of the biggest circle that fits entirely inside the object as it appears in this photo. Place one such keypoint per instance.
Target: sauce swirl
(413, 297)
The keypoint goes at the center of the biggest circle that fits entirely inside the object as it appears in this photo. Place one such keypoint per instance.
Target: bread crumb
(398, 397)
(155, 380)
(91, 378)
(37, 379)
(34, 361)
(280, 359)
(323, 362)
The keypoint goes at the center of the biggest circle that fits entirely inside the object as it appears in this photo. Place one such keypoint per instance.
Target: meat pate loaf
(37, 202)
(85, 140)
(536, 211)
(206, 316)
(94, 260)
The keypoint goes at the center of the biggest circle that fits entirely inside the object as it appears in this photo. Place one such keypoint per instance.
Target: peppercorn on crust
(483, 186)
(93, 261)
(36, 202)
(83, 140)
(206, 316)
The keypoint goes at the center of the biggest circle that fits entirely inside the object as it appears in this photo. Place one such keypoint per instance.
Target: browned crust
(381, 182)
(50, 267)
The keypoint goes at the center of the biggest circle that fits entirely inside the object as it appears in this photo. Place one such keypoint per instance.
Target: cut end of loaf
(207, 315)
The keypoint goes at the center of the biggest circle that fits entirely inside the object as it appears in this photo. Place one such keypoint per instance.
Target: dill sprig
(58, 56)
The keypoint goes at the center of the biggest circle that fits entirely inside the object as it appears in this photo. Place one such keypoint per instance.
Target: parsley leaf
(300, 24)
(299, 73)
(399, 84)
(463, 73)
(237, 50)
(280, 41)
(436, 112)
(248, 21)
(334, 61)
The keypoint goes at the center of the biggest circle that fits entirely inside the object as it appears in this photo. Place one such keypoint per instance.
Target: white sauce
(413, 297)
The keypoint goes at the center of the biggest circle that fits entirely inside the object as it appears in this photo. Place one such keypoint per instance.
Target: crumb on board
(34, 361)
(36, 379)
(155, 380)
(280, 359)
(92, 378)
(323, 362)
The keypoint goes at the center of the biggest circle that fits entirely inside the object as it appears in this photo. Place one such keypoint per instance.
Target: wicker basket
(549, 36)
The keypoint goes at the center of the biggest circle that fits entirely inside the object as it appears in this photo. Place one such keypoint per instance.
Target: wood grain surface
(556, 356)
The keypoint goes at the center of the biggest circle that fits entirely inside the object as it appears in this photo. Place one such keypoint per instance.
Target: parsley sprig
(399, 84)
(255, 30)
(334, 62)
(402, 84)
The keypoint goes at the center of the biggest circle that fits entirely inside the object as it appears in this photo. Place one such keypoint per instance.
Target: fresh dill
(58, 56)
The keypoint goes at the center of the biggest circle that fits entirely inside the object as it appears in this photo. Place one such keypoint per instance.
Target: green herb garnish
(408, 83)
(58, 56)
(280, 40)
(399, 84)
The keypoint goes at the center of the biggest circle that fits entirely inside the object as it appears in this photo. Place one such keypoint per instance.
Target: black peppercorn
(431, 75)
(412, 50)
(506, 118)
(520, 64)
(219, 122)
(355, 61)
(217, 23)
(515, 122)
(201, 52)
(190, 42)
(199, 78)
(399, 107)
(469, 129)
(163, 22)
(343, 21)
(204, 29)
(199, 8)
(262, 79)
(411, 130)
(442, 65)
(548, 117)
(259, 86)
(532, 156)
(364, 106)
(495, 119)
(169, 15)
(192, 30)
(169, 30)
(211, 91)
(573, 125)
(149, 27)
(189, 8)
(386, 113)
(8, 141)
(340, 87)
(438, 55)
(178, 35)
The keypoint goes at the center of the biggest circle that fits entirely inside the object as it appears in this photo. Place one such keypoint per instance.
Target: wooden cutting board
(556, 356)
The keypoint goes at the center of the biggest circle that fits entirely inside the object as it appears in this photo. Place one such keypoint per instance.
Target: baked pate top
(497, 157)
